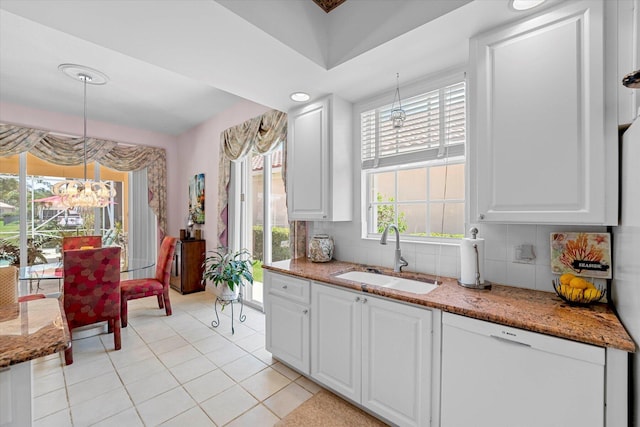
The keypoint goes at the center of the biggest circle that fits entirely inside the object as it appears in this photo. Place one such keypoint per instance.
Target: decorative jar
(321, 248)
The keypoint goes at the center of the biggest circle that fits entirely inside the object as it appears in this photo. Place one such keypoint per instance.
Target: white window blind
(435, 127)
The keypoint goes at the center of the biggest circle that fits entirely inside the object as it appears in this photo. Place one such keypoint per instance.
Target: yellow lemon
(566, 278)
(578, 283)
(564, 290)
(591, 285)
(592, 294)
(576, 294)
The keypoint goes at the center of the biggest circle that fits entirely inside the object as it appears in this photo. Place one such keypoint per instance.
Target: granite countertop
(32, 329)
(536, 311)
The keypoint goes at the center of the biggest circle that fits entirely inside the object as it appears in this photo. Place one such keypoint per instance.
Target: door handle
(499, 338)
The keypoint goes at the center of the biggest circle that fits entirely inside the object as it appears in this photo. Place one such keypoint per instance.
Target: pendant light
(75, 193)
(397, 113)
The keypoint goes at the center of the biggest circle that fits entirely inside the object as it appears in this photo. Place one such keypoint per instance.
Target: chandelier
(75, 193)
(397, 113)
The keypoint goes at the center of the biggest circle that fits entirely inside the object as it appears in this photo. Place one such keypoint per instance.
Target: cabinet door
(336, 339)
(308, 162)
(288, 332)
(543, 150)
(396, 361)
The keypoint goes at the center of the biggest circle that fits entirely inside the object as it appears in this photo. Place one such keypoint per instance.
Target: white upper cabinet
(544, 145)
(319, 161)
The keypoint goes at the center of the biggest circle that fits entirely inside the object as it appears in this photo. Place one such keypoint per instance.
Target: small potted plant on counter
(228, 270)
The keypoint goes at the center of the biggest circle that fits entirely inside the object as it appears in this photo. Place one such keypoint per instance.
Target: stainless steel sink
(392, 282)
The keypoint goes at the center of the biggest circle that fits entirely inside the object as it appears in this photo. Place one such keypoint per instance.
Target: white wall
(199, 153)
(72, 125)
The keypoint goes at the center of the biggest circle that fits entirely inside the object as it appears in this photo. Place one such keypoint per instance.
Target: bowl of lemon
(577, 290)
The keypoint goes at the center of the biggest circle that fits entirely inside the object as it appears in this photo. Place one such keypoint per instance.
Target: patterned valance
(262, 134)
(67, 151)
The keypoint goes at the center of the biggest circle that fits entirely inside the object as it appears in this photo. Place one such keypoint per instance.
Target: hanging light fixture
(397, 113)
(85, 193)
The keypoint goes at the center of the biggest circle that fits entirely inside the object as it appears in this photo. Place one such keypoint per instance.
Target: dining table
(33, 274)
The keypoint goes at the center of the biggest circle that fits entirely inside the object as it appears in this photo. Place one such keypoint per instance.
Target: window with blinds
(435, 128)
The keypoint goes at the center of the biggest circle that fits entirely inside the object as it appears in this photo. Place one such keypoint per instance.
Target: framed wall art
(196, 198)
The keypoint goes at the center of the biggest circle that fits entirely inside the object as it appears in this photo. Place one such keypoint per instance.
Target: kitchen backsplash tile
(444, 260)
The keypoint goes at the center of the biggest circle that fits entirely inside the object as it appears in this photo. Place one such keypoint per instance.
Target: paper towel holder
(477, 284)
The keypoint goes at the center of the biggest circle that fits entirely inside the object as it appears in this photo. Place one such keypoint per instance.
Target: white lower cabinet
(375, 352)
(287, 320)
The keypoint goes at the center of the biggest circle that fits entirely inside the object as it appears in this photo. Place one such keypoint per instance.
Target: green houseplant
(230, 269)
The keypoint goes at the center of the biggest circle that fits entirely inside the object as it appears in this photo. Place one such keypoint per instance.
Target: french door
(264, 225)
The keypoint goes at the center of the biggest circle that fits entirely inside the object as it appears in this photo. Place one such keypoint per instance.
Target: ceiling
(173, 64)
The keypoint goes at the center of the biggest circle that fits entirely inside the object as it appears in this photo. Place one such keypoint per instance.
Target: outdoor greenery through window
(414, 175)
(47, 220)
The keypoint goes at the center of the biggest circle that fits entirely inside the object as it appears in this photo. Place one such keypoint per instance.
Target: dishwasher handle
(503, 339)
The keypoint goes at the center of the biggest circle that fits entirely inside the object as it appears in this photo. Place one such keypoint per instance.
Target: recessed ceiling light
(525, 4)
(300, 96)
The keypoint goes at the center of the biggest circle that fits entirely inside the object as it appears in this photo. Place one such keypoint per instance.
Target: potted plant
(228, 270)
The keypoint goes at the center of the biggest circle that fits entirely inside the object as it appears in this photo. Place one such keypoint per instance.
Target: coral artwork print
(582, 254)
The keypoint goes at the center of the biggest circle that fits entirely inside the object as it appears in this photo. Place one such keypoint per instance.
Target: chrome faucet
(399, 261)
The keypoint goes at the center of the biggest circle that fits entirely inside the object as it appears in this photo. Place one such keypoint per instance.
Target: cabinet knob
(364, 300)
(305, 311)
(357, 299)
(481, 216)
(284, 286)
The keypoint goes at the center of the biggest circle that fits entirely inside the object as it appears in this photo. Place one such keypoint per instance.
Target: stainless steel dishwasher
(497, 376)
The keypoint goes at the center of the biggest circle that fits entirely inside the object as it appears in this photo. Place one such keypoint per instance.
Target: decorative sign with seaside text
(582, 254)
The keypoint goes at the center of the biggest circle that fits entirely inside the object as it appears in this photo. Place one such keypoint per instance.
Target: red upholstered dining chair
(79, 242)
(150, 286)
(91, 290)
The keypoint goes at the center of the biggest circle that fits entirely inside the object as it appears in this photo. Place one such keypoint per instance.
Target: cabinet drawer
(290, 287)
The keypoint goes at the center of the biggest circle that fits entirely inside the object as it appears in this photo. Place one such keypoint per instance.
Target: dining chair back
(9, 287)
(157, 285)
(80, 242)
(91, 290)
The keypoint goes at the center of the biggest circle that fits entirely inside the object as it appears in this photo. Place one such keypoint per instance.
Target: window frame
(433, 83)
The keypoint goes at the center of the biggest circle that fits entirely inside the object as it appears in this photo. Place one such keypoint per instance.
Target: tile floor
(171, 371)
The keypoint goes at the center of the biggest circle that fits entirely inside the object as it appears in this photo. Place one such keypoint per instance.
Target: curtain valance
(262, 134)
(68, 151)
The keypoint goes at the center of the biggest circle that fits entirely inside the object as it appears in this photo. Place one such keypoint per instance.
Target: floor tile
(178, 356)
(243, 367)
(193, 368)
(198, 333)
(165, 406)
(193, 417)
(210, 343)
(128, 418)
(286, 371)
(265, 383)
(287, 399)
(152, 386)
(308, 385)
(93, 387)
(81, 370)
(57, 419)
(129, 356)
(226, 354)
(265, 356)
(252, 342)
(258, 416)
(228, 405)
(140, 370)
(49, 403)
(207, 386)
(101, 407)
(168, 344)
(43, 384)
